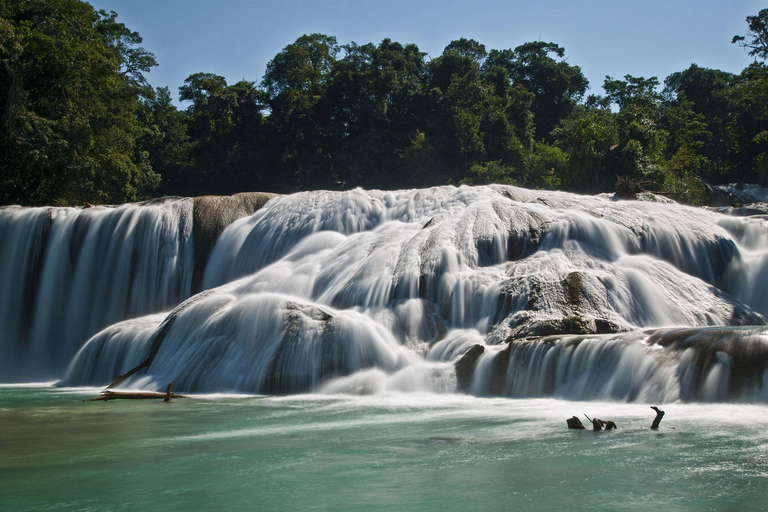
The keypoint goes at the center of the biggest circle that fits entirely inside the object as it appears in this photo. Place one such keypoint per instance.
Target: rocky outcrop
(465, 367)
(212, 214)
(719, 197)
(282, 377)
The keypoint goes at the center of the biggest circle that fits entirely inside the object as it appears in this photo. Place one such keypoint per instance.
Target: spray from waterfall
(369, 291)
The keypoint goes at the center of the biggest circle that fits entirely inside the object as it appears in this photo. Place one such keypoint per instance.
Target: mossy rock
(572, 289)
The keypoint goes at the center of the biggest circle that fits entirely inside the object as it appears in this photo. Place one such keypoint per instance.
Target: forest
(80, 124)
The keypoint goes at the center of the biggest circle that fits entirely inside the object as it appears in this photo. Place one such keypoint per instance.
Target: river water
(415, 451)
(361, 335)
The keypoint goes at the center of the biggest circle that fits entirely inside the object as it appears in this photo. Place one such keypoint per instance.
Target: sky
(237, 38)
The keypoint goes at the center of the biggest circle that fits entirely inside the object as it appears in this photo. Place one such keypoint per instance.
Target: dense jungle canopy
(80, 124)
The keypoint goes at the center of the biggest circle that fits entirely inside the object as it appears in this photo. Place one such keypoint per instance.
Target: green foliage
(590, 138)
(295, 82)
(71, 82)
(758, 35)
(572, 287)
(681, 180)
(490, 172)
(748, 122)
(78, 121)
(468, 48)
(226, 127)
(574, 325)
(701, 107)
(301, 66)
(556, 85)
(164, 140)
(641, 135)
(417, 162)
(372, 111)
(547, 167)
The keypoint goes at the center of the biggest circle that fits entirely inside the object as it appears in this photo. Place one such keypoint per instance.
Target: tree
(706, 93)
(490, 172)
(372, 104)
(418, 161)
(71, 82)
(758, 34)
(468, 48)
(588, 136)
(226, 126)
(165, 141)
(641, 135)
(547, 167)
(749, 125)
(556, 85)
(685, 164)
(467, 129)
(295, 82)
(490, 116)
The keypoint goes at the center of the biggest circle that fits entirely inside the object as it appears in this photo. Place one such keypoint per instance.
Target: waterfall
(373, 291)
(68, 273)
(658, 365)
(747, 193)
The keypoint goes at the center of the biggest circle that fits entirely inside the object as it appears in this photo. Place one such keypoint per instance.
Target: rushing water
(67, 273)
(378, 291)
(411, 350)
(489, 290)
(398, 451)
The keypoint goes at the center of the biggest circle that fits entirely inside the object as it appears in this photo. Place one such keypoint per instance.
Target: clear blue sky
(236, 38)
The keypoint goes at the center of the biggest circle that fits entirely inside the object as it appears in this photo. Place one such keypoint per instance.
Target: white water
(657, 365)
(747, 193)
(67, 273)
(368, 292)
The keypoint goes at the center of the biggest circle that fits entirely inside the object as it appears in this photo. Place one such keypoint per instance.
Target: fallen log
(657, 419)
(134, 395)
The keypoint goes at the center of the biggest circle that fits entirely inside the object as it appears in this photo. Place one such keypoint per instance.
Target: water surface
(391, 452)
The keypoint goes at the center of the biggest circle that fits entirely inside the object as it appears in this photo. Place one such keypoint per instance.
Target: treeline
(79, 123)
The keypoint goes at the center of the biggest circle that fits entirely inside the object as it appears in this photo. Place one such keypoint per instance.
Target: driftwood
(595, 423)
(657, 419)
(575, 423)
(142, 395)
(598, 424)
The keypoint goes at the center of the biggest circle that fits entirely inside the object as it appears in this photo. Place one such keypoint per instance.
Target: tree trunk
(114, 395)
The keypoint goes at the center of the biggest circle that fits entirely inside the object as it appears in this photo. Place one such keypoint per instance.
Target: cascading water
(68, 273)
(366, 291)
(656, 365)
(747, 193)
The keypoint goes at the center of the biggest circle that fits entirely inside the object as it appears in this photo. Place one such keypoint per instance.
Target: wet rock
(740, 353)
(719, 197)
(212, 215)
(465, 367)
(565, 325)
(499, 372)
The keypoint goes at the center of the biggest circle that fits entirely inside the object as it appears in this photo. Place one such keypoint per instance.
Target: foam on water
(369, 292)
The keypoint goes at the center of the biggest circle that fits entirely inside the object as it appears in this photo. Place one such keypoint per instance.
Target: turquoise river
(386, 452)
